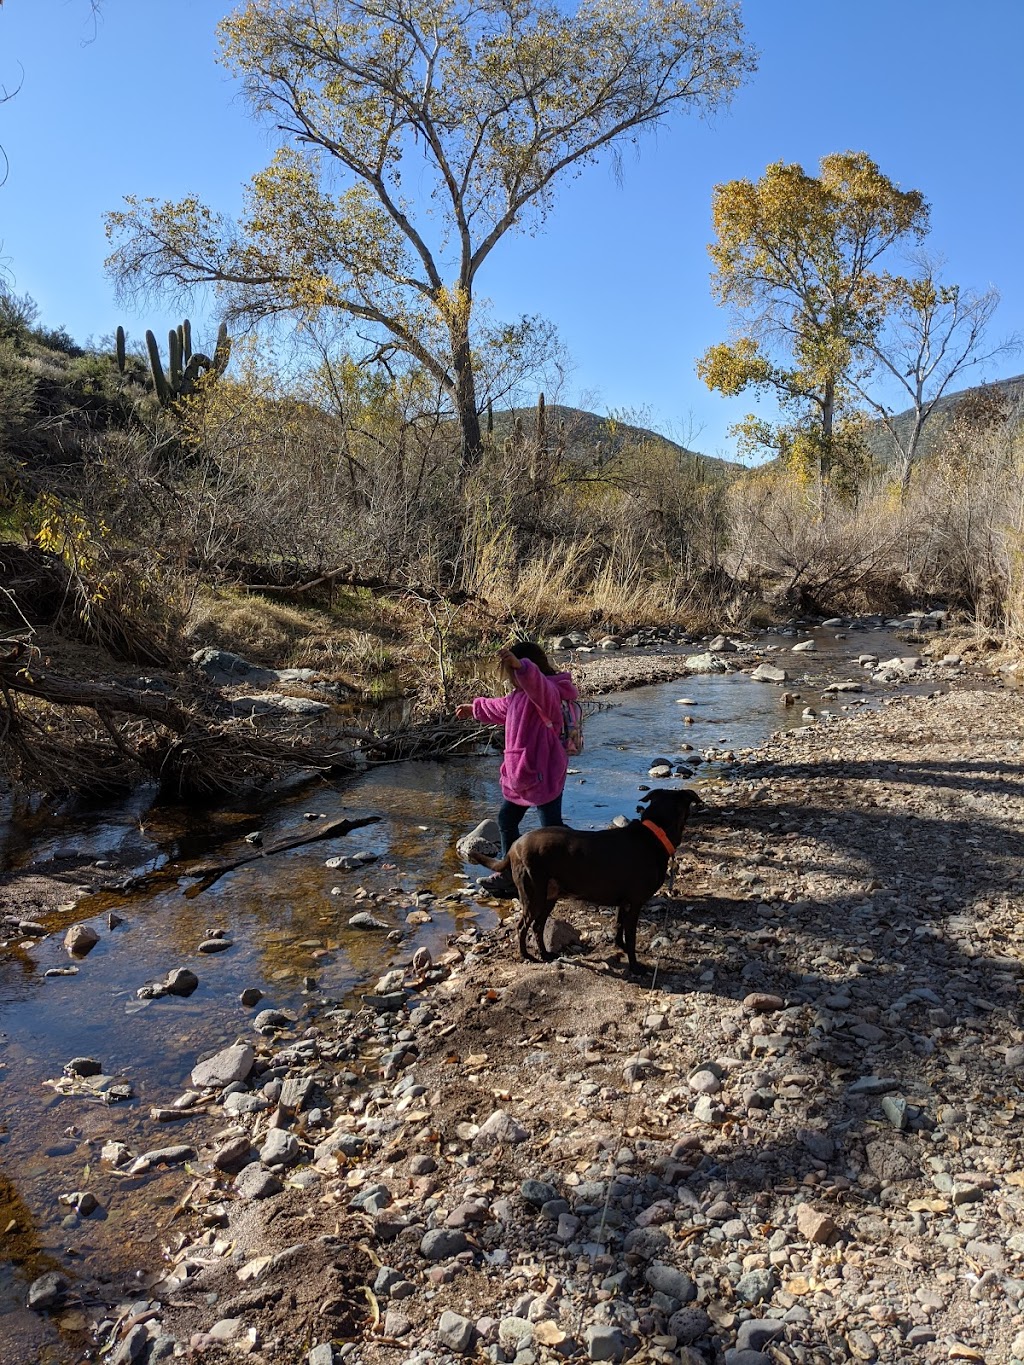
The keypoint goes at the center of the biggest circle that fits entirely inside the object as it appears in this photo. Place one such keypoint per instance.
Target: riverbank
(803, 1140)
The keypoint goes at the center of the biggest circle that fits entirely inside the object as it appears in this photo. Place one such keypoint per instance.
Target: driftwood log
(211, 872)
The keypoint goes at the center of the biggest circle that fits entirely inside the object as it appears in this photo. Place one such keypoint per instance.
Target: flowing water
(287, 918)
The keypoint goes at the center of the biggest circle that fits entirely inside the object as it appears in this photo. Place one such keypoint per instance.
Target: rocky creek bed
(801, 1141)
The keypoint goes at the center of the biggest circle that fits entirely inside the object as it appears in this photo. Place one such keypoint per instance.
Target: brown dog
(619, 866)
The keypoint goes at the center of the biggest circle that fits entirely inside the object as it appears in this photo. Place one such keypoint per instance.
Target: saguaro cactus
(185, 367)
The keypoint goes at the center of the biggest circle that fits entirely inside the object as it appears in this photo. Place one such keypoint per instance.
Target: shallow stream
(287, 920)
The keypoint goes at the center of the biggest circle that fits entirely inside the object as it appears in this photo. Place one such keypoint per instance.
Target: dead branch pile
(61, 734)
(38, 588)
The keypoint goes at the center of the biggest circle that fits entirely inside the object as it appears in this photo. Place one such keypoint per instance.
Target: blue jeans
(510, 817)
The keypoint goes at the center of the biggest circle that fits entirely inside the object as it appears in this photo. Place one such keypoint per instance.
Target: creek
(287, 920)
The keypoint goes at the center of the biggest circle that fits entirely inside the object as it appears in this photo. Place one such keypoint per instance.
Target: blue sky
(932, 89)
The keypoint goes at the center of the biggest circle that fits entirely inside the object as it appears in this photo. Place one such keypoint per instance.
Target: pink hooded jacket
(535, 763)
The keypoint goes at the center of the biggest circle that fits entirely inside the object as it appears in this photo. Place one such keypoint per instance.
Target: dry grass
(576, 584)
(267, 633)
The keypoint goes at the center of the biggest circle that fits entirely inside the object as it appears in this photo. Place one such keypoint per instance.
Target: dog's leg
(620, 938)
(630, 915)
(533, 900)
(539, 925)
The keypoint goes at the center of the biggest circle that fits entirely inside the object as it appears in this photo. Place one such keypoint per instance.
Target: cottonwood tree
(416, 135)
(798, 261)
(934, 332)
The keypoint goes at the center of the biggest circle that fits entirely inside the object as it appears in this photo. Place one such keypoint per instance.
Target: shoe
(497, 884)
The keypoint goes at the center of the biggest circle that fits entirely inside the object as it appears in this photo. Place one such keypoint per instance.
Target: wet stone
(214, 945)
(181, 982)
(80, 939)
(83, 1066)
(46, 1291)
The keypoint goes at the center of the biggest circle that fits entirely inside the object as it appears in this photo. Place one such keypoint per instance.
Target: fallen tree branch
(211, 872)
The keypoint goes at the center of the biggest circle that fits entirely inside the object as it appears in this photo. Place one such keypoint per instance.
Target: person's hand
(464, 711)
(506, 657)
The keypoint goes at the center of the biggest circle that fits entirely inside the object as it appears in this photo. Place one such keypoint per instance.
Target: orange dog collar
(660, 835)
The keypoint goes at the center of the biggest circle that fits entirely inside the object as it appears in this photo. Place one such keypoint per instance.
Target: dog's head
(670, 809)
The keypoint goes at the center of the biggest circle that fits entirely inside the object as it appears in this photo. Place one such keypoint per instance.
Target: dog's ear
(647, 796)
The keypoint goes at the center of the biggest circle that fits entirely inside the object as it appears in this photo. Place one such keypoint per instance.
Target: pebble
(606, 1343)
(280, 1149)
(755, 1286)
(256, 1183)
(757, 1332)
(668, 1280)
(455, 1332)
(440, 1244)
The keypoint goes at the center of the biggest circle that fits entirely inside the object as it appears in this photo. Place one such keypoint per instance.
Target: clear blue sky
(932, 89)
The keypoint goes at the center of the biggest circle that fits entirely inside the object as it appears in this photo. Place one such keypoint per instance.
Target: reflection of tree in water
(18, 974)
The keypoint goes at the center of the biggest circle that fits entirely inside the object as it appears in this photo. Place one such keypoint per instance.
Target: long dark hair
(528, 649)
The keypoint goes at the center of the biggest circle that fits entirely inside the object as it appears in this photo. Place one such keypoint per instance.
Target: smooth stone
(214, 945)
(440, 1244)
(230, 1064)
(280, 1149)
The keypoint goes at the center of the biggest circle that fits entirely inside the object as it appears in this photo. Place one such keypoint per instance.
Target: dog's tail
(495, 864)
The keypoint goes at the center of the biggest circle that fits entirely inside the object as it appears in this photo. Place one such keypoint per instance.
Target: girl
(535, 763)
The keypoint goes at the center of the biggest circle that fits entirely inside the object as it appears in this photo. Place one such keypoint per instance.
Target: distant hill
(595, 440)
(1009, 392)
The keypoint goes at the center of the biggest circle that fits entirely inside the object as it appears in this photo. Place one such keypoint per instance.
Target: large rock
(273, 704)
(768, 673)
(704, 663)
(230, 1064)
(485, 839)
(46, 1291)
(181, 981)
(81, 939)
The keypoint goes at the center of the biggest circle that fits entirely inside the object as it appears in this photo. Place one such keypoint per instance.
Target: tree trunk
(465, 400)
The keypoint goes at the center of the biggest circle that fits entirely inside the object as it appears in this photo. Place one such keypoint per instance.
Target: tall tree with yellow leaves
(417, 134)
(799, 262)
